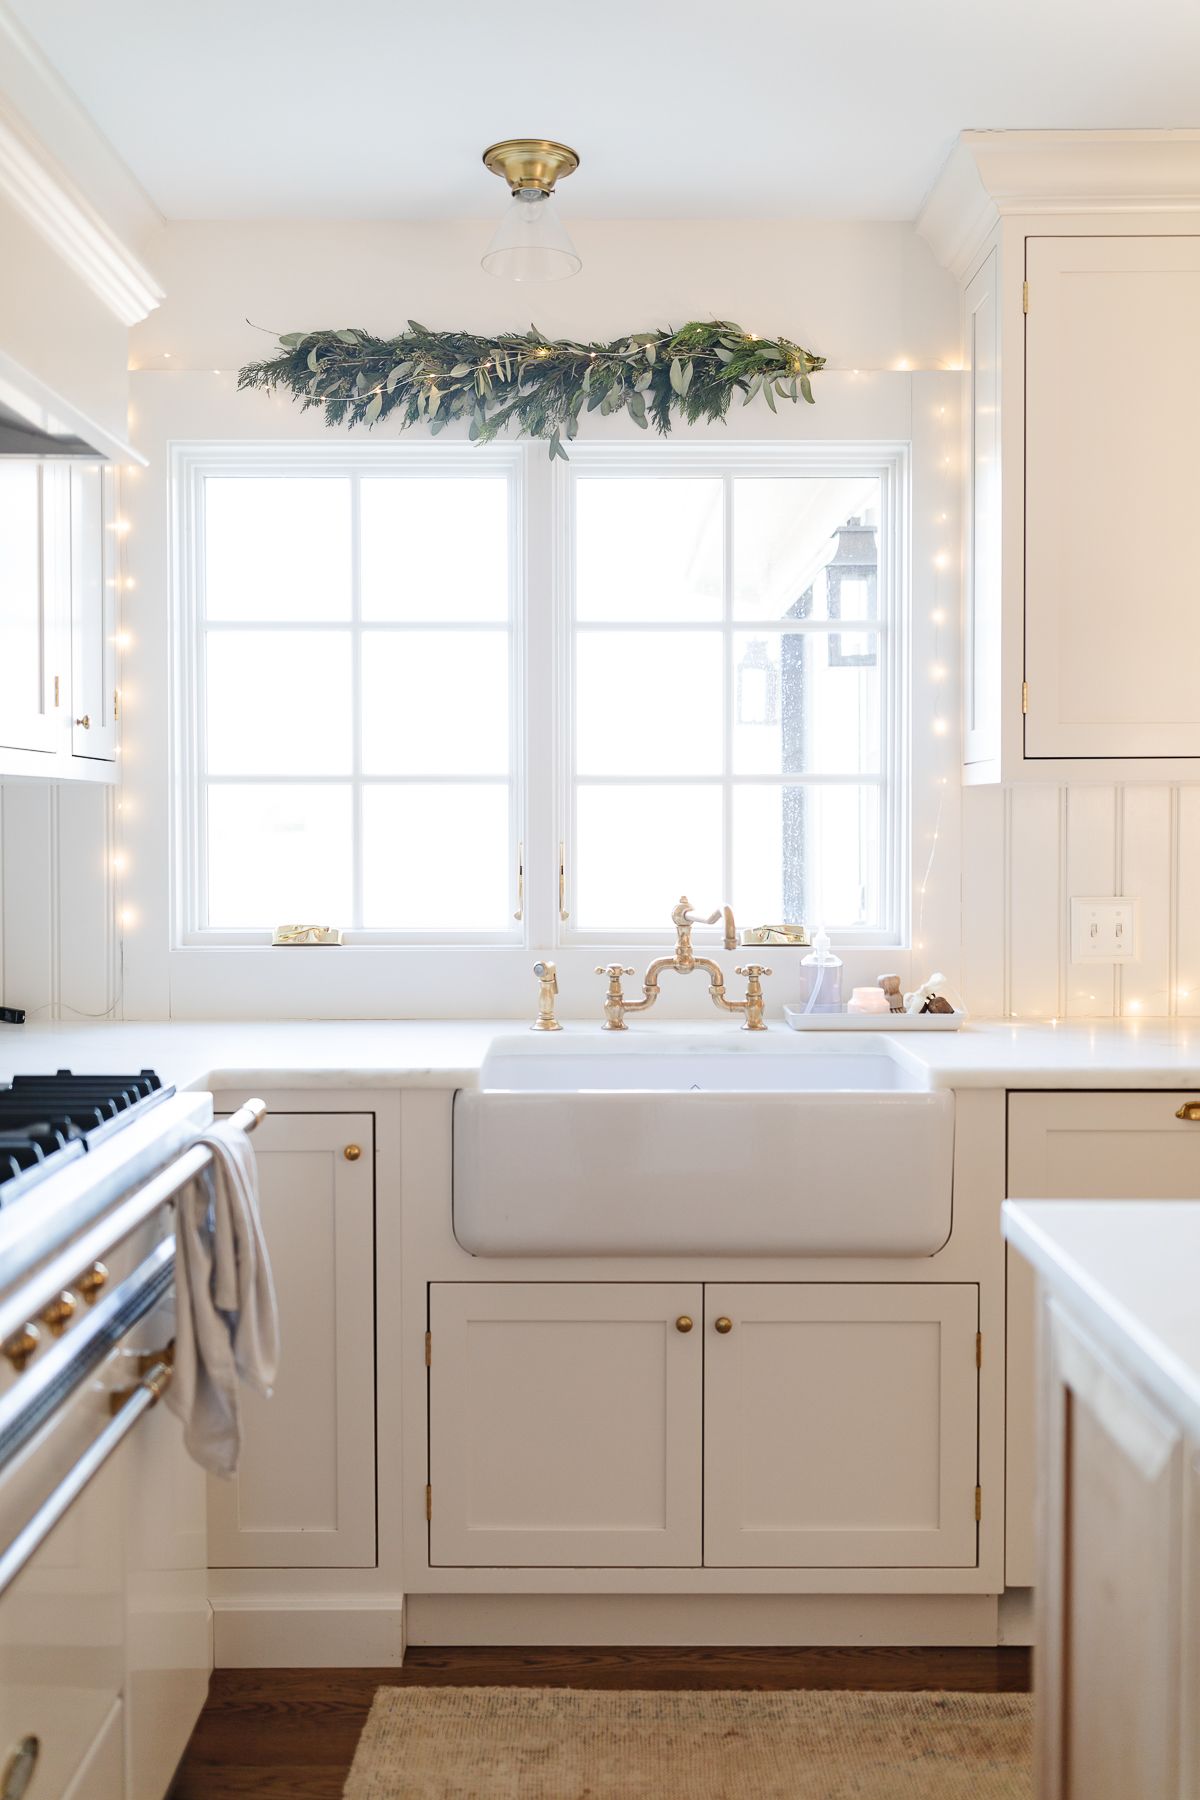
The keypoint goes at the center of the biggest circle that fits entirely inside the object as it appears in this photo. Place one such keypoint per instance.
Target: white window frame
(192, 465)
(885, 461)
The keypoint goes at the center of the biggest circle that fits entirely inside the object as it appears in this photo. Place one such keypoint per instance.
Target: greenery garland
(540, 384)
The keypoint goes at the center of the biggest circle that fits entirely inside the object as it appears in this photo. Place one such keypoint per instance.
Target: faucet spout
(684, 962)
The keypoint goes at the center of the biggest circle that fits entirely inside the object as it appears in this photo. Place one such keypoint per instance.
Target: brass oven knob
(724, 1325)
(352, 1152)
(58, 1315)
(21, 1346)
(683, 1323)
(90, 1283)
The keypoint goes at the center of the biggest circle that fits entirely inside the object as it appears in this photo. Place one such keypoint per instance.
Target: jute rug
(447, 1743)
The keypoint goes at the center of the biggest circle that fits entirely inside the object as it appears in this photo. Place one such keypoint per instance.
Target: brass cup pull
(724, 1325)
(21, 1346)
(352, 1152)
(90, 1283)
(1190, 1110)
(85, 722)
(58, 1315)
(683, 1323)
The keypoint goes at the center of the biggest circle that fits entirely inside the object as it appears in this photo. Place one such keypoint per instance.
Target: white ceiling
(679, 108)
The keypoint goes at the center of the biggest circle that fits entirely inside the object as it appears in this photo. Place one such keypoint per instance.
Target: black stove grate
(47, 1120)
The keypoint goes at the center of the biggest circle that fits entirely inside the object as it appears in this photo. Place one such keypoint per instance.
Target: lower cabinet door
(304, 1495)
(841, 1425)
(565, 1424)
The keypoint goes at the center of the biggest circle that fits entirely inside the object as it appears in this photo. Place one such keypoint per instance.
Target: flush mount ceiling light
(531, 242)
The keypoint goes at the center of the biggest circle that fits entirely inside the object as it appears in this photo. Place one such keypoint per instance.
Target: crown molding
(64, 177)
(990, 174)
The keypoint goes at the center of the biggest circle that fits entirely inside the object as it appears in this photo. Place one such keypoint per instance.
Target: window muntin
(679, 766)
(353, 702)
(742, 742)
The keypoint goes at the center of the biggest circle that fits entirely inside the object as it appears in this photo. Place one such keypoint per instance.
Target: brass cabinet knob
(683, 1323)
(352, 1152)
(85, 722)
(1190, 1110)
(90, 1283)
(19, 1768)
(724, 1325)
(58, 1315)
(21, 1346)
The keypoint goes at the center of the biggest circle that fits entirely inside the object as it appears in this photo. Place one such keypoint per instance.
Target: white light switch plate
(1103, 929)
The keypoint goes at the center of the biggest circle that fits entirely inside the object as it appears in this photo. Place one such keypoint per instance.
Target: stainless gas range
(105, 1636)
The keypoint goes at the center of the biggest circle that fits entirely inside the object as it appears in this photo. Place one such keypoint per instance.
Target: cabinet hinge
(1024, 296)
(56, 690)
(978, 1504)
(428, 1349)
(979, 1349)
(429, 1503)
(116, 703)
(1024, 696)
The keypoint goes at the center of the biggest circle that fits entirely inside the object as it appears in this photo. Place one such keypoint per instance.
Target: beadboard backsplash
(1027, 850)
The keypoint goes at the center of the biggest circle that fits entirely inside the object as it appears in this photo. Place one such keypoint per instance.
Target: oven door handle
(33, 1535)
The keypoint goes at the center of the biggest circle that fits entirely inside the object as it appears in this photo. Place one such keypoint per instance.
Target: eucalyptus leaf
(539, 387)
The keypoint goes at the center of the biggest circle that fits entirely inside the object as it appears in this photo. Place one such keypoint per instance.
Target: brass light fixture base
(531, 163)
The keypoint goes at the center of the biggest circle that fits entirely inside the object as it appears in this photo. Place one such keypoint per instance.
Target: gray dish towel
(226, 1319)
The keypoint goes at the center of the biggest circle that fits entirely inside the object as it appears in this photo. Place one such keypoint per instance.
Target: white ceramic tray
(799, 1020)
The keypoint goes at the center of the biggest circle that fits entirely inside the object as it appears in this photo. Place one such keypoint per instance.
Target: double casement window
(414, 680)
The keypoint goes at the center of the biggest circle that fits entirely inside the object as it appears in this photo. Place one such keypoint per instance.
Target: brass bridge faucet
(684, 962)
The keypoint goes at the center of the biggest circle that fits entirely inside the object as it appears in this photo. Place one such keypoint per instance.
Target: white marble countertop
(1127, 1270)
(447, 1053)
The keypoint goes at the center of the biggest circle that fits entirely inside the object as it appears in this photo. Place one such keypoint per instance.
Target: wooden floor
(289, 1734)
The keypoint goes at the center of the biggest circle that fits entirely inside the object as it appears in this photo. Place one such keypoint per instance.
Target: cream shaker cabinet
(1077, 1146)
(304, 1495)
(1112, 468)
(35, 576)
(1082, 611)
(841, 1425)
(814, 1425)
(1108, 1679)
(95, 563)
(565, 1424)
(60, 553)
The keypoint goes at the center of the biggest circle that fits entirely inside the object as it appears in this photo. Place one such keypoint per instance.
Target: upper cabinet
(1112, 470)
(1079, 258)
(59, 595)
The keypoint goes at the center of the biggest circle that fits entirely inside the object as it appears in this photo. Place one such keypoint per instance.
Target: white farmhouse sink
(695, 1145)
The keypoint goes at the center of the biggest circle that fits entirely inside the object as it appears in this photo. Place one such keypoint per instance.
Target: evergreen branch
(541, 386)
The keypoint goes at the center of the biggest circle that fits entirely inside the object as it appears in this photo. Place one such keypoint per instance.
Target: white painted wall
(868, 296)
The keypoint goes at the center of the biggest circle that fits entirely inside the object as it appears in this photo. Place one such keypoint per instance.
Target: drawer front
(1103, 1147)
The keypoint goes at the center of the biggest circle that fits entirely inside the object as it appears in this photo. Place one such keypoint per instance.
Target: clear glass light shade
(531, 242)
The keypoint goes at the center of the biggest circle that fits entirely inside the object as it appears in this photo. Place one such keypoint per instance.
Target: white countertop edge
(1029, 1226)
(428, 1053)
